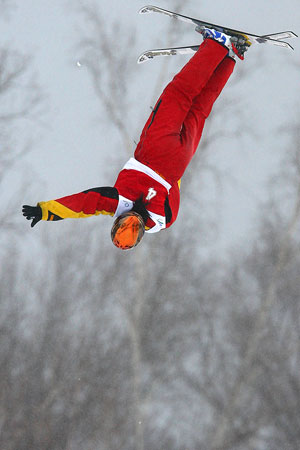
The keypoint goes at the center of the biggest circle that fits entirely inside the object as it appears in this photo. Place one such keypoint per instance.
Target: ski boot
(215, 35)
(237, 44)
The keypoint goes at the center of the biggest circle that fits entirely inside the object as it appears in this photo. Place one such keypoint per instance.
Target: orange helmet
(128, 230)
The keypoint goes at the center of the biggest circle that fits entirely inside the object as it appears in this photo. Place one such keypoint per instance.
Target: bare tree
(105, 58)
(20, 101)
(271, 264)
(85, 354)
(162, 348)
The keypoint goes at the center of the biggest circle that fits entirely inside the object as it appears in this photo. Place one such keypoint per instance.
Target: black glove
(32, 212)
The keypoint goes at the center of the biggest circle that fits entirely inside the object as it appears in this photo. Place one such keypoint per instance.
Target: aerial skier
(146, 194)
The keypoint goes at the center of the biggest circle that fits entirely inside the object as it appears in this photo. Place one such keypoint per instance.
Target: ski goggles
(128, 230)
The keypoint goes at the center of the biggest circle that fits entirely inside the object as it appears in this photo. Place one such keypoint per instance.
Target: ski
(169, 51)
(274, 38)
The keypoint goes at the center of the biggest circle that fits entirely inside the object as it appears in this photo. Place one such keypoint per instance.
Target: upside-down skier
(145, 196)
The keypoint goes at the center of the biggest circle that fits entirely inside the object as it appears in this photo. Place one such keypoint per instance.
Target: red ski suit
(167, 144)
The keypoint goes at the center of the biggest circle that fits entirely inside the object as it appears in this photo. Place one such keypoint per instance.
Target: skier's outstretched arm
(101, 200)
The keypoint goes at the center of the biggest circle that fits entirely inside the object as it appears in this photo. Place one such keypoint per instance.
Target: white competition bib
(124, 205)
(160, 222)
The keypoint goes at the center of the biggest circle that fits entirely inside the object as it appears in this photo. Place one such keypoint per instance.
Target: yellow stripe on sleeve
(65, 213)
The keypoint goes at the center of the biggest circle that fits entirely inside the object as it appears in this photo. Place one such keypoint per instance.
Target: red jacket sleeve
(102, 200)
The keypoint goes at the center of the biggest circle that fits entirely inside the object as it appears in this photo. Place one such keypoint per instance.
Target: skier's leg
(202, 106)
(172, 160)
(177, 98)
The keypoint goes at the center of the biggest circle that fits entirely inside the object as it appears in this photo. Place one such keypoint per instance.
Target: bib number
(151, 193)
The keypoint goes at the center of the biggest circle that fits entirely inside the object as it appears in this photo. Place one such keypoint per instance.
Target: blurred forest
(167, 347)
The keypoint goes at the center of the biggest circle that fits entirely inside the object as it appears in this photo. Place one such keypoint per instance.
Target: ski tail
(171, 51)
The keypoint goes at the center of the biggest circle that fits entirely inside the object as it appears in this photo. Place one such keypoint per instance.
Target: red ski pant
(172, 132)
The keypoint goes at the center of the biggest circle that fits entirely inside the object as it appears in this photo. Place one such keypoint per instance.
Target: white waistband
(133, 164)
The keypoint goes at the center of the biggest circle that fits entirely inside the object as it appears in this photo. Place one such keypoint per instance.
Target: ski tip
(291, 34)
(143, 58)
(281, 35)
(146, 9)
(287, 45)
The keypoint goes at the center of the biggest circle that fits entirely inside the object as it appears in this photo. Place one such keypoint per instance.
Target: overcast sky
(72, 145)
